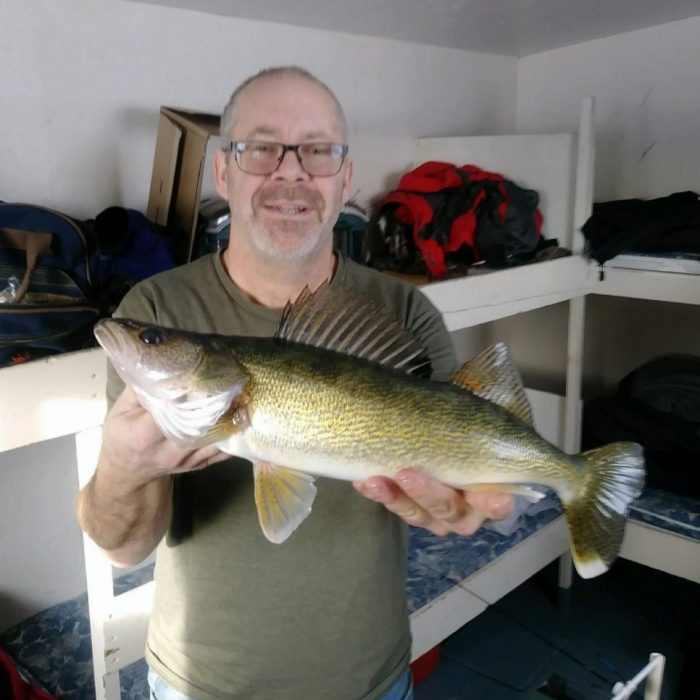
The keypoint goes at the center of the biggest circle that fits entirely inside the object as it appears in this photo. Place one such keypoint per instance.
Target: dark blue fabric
(131, 246)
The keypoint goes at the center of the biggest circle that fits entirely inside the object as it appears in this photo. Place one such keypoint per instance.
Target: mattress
(668, 511)
(53, 647)
(436, 564)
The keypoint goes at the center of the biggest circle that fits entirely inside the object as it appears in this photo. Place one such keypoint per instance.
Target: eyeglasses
(264, 157)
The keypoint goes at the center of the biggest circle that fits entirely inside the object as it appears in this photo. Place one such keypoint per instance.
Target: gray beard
(265, 242)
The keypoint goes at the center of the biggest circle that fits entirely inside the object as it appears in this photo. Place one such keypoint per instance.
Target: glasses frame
(238, 148)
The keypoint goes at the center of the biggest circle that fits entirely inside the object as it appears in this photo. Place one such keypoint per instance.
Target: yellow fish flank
(335, 394)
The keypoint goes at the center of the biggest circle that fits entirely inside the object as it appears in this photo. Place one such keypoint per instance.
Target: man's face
(287, 214)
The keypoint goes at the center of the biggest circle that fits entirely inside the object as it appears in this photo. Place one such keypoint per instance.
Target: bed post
(98, 572)
(583, 204)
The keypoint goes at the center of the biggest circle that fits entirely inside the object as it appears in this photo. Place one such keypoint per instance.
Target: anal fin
(283, 498)
(529, 493)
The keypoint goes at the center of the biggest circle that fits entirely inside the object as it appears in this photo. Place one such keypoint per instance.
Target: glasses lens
(258, 157)
(321, 159)
(263, 157)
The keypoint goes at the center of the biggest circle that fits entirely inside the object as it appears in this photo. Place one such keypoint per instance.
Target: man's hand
(133, 444)
(126, 507)
(427, 503)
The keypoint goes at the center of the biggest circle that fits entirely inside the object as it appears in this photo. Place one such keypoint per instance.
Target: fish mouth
(113, 336)
(118, 338)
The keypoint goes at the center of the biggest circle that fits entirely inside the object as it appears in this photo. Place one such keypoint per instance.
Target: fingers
(392, 496)
(126, 401)
(198, 459)
(495, 505)
(441, 502)
(425, 502)
(133, 443)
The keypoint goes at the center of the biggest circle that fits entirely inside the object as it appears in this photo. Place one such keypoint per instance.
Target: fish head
(165, 363)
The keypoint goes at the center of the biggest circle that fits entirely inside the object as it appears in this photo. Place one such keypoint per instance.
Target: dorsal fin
(493, 376)
(352, 323)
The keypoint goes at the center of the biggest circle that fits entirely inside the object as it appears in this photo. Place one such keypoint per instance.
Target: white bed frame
(64, 395)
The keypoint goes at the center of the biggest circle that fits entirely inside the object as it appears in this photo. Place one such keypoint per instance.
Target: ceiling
(510, 27)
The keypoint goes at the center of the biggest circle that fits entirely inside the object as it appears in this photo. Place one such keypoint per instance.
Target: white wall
(646, 87)
(81, 83)
(40, 547)
(85, 80)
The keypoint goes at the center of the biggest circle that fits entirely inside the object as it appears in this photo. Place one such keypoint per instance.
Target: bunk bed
(446, 587)
(663, 529)
(452, 580)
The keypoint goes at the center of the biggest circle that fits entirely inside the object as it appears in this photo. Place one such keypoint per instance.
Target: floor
(579, 645)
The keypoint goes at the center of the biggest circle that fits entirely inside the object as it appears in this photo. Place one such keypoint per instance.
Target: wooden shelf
(674, 287)
(471, 300)
(52, 397)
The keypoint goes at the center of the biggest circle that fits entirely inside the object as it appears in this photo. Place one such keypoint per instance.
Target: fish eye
(151, 336)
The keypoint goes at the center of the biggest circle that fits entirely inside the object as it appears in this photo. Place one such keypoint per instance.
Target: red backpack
(443, 216)
(14, 687)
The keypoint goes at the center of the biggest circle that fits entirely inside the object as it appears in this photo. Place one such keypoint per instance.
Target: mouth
(118, 338)
(105, 335)
(287, 209)
(114, 341)
(290, 202)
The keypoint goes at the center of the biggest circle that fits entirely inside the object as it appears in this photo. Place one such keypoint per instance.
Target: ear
(221, 173)
(347, 180)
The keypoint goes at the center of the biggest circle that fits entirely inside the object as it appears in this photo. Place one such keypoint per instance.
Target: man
(323, 615)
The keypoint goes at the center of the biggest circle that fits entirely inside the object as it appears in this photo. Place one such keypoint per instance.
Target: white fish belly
(246, 445)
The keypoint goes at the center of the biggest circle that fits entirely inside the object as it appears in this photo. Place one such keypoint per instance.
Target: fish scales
(319, 402)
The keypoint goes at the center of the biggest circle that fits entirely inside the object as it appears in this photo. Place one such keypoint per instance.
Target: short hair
(228, 117)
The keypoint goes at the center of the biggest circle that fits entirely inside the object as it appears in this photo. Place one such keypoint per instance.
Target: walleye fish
(335, 393)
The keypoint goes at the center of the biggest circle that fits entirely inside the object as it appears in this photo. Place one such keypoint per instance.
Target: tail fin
(613, 477)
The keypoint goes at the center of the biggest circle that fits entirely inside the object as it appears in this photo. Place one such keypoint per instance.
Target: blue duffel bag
(48, 286)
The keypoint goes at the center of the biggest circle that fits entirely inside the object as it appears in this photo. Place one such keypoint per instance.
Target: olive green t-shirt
(320, 617)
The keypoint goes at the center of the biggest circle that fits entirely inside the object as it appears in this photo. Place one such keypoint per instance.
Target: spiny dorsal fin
(493, 376)
(354, 324)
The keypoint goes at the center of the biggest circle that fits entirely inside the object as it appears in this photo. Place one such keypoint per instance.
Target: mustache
(292, 193)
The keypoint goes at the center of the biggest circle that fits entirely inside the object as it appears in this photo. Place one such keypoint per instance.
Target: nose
(290, 168)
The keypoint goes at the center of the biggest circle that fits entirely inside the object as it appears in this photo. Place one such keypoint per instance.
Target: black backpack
(658, 406)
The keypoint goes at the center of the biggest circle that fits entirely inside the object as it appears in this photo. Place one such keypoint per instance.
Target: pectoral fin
(283, 498)
(197, 419)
